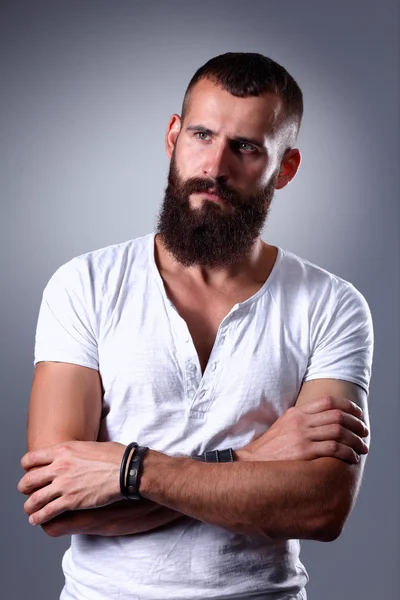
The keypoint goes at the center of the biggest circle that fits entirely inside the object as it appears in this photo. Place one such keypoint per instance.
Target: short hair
(245, 74)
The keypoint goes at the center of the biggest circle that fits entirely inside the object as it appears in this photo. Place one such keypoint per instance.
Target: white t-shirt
(108, 310)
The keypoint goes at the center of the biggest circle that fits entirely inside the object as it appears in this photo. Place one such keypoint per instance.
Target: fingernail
(32, 520)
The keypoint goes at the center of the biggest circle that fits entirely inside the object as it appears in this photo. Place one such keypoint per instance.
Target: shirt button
(191, 366)
(214, 366)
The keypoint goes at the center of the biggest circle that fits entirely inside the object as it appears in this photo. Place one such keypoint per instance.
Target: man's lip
(212, 196)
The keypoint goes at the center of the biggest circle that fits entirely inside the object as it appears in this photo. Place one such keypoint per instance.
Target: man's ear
(289, 166)
(173, 129)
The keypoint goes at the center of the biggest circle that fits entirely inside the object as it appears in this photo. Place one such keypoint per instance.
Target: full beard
(211, 236)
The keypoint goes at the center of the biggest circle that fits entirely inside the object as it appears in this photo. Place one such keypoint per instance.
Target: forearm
(299, 479)
(280, 499)
(120, 518)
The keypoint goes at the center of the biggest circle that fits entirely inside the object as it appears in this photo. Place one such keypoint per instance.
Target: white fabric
(108, 310)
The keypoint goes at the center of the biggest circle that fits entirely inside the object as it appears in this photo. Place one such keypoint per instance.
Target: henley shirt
(108, 310)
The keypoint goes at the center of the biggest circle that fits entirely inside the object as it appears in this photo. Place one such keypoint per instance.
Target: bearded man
(199, 397)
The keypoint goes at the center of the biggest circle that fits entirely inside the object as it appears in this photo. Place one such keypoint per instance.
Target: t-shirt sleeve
(66, 329)
(344, 346)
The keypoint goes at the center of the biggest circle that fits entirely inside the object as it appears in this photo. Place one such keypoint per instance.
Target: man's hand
(326, 427)
(69, 476)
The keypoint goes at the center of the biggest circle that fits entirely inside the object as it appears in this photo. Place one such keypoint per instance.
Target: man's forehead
(211, 102)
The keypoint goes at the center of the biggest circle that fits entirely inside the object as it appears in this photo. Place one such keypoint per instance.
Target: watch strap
(216, 456)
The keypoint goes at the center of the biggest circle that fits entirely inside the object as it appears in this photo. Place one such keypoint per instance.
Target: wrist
(158, 471)
(153, 465)
(242, 455)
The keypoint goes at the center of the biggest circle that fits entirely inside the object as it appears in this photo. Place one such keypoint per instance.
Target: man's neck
(254, 268)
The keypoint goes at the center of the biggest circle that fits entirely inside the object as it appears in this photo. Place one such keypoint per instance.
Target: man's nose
(217, 162)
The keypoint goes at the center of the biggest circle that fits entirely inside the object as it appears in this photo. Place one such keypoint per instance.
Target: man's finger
(335, 449)
(336, 416)
(330, 403)
(34, 480)
(40, 498)
(339, 434)
(38, 458)
(48, 512)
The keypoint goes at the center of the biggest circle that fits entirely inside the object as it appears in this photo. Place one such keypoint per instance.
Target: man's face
(225, 161)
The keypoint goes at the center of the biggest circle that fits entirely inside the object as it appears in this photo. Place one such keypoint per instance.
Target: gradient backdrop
(86, 92)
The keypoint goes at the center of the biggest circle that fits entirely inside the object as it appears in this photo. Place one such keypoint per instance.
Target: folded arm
(65, 405)
(281, 499)
(260, 493)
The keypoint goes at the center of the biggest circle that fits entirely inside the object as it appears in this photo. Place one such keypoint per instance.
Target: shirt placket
(204, 395)
(187, 356)
(199, 389)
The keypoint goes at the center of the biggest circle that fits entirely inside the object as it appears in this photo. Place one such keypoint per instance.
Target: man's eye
(247, 147)
(202, 135)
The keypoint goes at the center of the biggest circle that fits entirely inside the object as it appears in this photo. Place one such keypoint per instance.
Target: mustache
(197, 185)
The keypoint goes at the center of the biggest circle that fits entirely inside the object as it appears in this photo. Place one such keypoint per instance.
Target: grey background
(86, 92)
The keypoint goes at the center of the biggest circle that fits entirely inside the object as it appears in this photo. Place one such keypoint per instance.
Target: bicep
(318, 388)
(341, 478)
(65, 404)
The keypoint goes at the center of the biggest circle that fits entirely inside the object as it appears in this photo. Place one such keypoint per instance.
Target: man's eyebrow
(239, 139)
(200, 128)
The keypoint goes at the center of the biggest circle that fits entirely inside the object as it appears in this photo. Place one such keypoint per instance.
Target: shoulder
(315, 285)
(302, 271)
(336, 318)
(115, 256)
(99, 268)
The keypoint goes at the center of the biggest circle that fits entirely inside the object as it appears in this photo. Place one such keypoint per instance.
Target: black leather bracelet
(124, 466)
(216, 456)
(131, 488)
